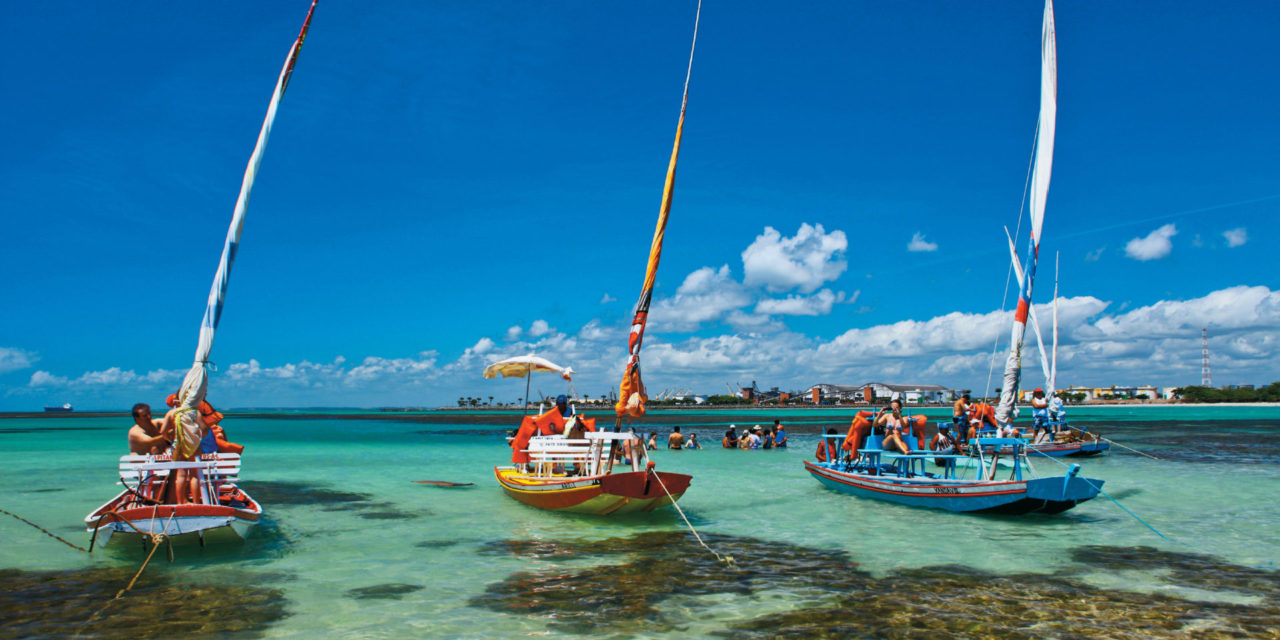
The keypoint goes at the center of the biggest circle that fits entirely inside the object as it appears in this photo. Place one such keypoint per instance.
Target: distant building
(879, 392)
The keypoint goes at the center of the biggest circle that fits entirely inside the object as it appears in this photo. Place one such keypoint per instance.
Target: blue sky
(448, 184)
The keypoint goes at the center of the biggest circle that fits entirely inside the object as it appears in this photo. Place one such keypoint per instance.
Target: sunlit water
(359, 550)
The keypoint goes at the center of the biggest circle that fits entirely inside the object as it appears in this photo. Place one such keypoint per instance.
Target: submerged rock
(79, 603)
(393, 591)
(288, 494)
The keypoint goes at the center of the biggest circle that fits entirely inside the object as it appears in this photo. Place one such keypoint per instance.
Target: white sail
(196, 382)
(1005, 412)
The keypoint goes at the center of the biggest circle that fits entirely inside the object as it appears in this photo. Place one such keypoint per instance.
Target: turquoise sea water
(351, 547)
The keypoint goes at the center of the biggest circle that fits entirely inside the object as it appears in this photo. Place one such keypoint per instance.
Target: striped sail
(196, 382)
(1039, 194)
(631, 394)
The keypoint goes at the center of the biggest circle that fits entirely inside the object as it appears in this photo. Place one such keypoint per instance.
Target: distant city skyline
(450, 185)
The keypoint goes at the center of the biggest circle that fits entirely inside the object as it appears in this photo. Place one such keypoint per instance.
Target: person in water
(653, 441)
(779, 436)
(693, 442)
(730, 440)
(145, 435)
(894, 426)
(960, 411)
(675, 440)
(828, 448)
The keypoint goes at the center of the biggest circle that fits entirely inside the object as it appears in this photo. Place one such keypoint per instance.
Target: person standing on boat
(145, 435)
(675, 440)
(960, 411)
(1057, 414)
(779, 436)
(1039, 413)
(895, 428)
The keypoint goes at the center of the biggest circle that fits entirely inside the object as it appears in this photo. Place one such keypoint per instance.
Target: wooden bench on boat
(590, 453)
(212, 471)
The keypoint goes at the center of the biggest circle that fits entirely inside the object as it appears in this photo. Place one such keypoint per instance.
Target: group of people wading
(159, 437)
(774, 437)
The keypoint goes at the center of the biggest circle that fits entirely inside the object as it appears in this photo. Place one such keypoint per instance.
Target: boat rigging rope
(1004, 297)
(725, 560)
(1109, 497)
(46, 531)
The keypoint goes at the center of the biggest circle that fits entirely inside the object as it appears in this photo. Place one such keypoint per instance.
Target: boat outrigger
(221, 511)
(905, 479)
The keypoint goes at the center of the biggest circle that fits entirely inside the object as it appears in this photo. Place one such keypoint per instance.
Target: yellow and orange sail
(631, 394)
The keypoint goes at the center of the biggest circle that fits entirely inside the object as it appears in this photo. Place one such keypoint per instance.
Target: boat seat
(136, 467)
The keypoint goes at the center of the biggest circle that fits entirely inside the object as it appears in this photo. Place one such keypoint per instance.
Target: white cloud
(12, 359)
(1153, 246)
(607, 299)
(513, 332)
(706, 295)
(918, 243)
(1236, 237)
(1095, 255)
(818, 304)
(539, 328)
(46, 379)
(803, 262)
(484, 345)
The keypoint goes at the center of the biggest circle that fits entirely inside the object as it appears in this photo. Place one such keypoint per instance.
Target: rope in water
(46, 532)
(1109, 497)
(726, 560)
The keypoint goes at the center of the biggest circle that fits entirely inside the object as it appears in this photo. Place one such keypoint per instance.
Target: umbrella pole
(528, 377)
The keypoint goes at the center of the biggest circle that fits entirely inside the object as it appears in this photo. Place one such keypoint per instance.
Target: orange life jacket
(859, 429)
(827, 451)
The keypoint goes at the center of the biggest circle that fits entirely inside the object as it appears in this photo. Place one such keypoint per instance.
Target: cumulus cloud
(111, 377)
(706, 295)
(1236, 237)
(46, 379)
(1153, 246)
(802, 262)
(513, 332)
(918, 243)
(818, 304)
(539, 328)
(12, 359)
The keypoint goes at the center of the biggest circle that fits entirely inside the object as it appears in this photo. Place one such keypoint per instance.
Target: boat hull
(610, 494)
(1038, 495)
(121, 521)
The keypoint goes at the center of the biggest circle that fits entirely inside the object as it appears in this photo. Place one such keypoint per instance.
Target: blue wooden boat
(1083, 445)
(906, 479)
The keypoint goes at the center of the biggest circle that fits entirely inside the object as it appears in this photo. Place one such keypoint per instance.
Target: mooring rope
(1069, 426)
(1109, 497)
(46, 532)
(725, 560)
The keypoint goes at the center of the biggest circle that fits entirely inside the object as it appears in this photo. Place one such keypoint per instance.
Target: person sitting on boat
(730, 440)
(675, 440)
(145, 435)
(779, 436)
(894, 426)
(1039, 412)
(828, 448)
(693, 442)
(943, 443)
(960, 411)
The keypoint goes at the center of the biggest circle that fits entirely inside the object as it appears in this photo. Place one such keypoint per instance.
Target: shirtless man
(960, 411)
(145, 435)
(675, 440)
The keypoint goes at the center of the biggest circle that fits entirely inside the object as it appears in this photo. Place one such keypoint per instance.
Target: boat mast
(1039, 194)
(631, 394)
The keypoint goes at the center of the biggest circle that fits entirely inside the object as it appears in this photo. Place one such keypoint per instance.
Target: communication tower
(1206, 379)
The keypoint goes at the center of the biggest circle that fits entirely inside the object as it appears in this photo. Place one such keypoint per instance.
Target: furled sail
(196, 382)
(1039, 194)
(631, 394)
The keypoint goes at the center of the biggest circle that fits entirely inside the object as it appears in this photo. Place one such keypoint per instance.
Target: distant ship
(63, 409)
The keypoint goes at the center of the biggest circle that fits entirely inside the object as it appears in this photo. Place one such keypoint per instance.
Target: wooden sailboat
(871, 472)
(216, 509)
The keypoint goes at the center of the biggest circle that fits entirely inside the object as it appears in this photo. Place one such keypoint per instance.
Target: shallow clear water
(357, 549)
